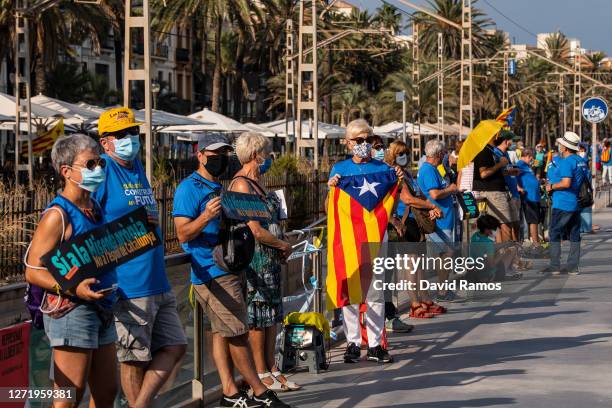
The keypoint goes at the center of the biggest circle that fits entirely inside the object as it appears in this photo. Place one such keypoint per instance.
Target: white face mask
(582, 154)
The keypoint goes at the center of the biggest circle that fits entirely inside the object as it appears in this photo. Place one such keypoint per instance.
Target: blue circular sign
(594, 110)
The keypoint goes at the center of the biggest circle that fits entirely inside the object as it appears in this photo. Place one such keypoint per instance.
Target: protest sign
(468, 205)
(245, 207)
(101, 249)
(14, 353)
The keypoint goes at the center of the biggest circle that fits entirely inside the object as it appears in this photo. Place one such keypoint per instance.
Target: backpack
(585, 194)
(236, 246)
(35, 295)
(605, 156)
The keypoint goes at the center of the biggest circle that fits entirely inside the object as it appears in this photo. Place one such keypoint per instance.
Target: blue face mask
(127, 148)
(91, 179)
(265, 166)
(379, 154)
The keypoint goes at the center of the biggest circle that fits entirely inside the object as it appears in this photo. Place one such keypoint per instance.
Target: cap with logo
(211, 142)
(116, 119)
(570, 140)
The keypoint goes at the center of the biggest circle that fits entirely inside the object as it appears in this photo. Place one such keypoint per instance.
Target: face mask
(379, 154)
(582, 154)
(363, 150)
(91, 179)
(401, 160)
(512, 147)
(216, 165)
(265, 166)
(127, 148)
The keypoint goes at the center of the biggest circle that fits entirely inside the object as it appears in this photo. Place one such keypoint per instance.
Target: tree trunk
(39, 70)
(216, 85)
(118, 45)
(328, 97)
(238, 79)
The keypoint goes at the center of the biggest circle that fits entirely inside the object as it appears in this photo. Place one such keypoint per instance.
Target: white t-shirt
(467, 177)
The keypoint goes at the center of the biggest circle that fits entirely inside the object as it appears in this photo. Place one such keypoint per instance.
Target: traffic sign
(594, 110)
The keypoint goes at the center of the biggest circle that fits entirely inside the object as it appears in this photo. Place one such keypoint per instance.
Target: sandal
(291, 386)
(420, 312)
(434, 308)
(276, 385)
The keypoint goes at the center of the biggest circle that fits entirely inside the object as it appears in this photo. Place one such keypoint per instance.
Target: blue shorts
(82, 327)
(440, 241)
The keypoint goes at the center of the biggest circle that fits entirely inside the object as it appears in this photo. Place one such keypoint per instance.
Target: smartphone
(110, 289)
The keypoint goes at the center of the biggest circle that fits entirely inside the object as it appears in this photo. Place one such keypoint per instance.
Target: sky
(588, 20)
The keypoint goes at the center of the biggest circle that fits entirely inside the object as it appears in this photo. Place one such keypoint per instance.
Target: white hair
(434, 147)
(66, 148)
(251, 144)
(358, 127)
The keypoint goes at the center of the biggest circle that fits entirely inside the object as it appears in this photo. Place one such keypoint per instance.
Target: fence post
(163, 213)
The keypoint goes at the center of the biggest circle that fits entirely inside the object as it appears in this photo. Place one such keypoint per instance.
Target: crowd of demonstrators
(263, 277)
(151, 340)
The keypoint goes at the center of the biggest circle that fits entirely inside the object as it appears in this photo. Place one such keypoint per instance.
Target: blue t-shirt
(350, 168)
(124, 190)
(511, 181)
(429, 178)
(190, 201)
(81, 224)
(528, 181)
(575, 168)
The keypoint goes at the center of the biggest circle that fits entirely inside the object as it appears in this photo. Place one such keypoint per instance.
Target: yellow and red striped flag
(45, 140)
(358, 212)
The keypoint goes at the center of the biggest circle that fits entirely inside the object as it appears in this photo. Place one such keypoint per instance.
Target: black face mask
(217, 164)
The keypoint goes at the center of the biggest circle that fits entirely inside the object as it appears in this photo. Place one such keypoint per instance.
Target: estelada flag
(45, 141)
(358, 212)
(507, 116)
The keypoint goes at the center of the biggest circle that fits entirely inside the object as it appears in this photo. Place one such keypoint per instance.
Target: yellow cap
(116, 119)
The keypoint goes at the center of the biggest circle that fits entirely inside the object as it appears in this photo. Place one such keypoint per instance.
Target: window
(102, 70)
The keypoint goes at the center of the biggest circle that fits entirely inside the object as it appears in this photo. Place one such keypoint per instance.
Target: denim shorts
(82, 327)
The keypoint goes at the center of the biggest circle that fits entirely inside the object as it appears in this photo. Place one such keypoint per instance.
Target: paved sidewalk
(543, 342)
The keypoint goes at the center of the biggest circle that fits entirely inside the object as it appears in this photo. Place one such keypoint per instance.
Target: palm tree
(388, 17)
(349, 100)
(451, 10)
(557, 47)
(215, 13)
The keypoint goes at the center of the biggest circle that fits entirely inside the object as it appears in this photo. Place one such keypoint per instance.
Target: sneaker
(396, 325)
(573, 271)
(352, 353)
(269, 399)
(239, 400)
(550, 270)
(379, 354)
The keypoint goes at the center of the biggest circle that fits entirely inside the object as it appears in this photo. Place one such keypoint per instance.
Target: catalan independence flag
(507, 116)
(358, 212)
(45, 141)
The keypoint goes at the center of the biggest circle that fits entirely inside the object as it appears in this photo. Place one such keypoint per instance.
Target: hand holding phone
(108, 290)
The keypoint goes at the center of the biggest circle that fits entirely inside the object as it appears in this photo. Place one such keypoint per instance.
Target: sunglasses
(360, 140)
(132, 131)
(377, 146)
(92, 163)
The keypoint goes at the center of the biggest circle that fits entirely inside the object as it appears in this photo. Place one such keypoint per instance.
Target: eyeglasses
(120, 134)
(93, 163)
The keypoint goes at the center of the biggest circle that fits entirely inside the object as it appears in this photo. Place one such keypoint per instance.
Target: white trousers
(607, 170)
(375, 323)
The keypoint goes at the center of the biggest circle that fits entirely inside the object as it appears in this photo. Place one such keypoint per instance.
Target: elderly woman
(78, 322)
(264, 299)
(421, 306)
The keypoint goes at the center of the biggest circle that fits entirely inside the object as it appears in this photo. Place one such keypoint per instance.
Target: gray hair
(251, 144)
(434, 147)
(357, 127)
(67, 147)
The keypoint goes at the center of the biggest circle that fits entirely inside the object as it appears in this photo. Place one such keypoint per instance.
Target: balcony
(160, 51)
(182, 55)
